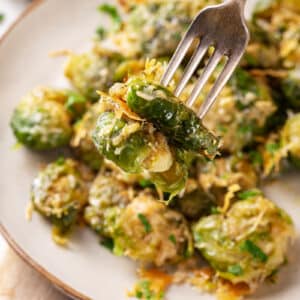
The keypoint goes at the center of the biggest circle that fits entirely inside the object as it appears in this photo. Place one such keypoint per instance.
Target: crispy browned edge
(25, 257)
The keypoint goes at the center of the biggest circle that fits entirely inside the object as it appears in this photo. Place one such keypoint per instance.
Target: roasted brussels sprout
(242, 113)
(277, 27)
(82, 142)
(107, 198)
(135, 146)
(92, 71)
(248, 242)
(290, 139)
(179, 123)
(150, 232)
(291, 89)
(216, 176)
(60, 191)
(41, 121)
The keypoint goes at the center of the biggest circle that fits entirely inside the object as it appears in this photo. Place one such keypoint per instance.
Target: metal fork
(223, 27)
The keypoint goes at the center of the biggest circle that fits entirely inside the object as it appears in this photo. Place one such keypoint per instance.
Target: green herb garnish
(107, 243)
(60, 161)
(144, 183)
(248, 194)
(145, 222)
(112, 12)
(172, 238)
(235, 270)
(1, 17)
(254, 250)
(272, 147)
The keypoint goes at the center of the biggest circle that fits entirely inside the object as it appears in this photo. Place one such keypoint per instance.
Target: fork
(224, 28)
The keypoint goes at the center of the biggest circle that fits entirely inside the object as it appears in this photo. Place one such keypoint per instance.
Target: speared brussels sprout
(180, 124)
(82, 142)
(248, 242)
(135, 146)
(290, 139)
(41, 121)
(60, 191)
(151, 232)
(107, 198)
(92, 71)
(291, 89)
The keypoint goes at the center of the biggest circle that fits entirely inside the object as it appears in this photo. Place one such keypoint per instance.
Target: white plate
(85, 270)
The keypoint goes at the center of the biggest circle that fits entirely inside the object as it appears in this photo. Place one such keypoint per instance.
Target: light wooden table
(18, 281)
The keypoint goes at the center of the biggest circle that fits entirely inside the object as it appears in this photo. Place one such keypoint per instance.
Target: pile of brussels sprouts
(154, 182)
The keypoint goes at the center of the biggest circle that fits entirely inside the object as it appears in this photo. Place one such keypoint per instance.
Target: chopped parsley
(1, 17)
(107, 243)
(145, 222)
(254, 250)
(112, 11)
(144, 183)
(172, 238)
(248, 194)
(272, 147)
(101, 32)
(60, 161)
(235, 270)
(256, 158)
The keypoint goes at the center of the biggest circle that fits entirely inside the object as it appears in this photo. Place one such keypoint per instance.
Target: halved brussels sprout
(107, 198)
(41, 121)
(290, 138)
(150, 232)
(291, 89)
(92, 71)
(242, 113)
(60, 191)
(135, 146)
(82, 142)
(180, 124)
(247, 243)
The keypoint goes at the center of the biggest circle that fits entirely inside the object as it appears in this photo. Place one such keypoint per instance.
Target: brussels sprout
(242, 113)
(218, 175)
(179, 123)
(150, 232)
(92, 71)
(82, 142)
(248, 242)
(154, 28)
(40, 121)
(107, 198)
(60, 191)
(290, 138)
(279, 20)
(136, 147)
(291, 89)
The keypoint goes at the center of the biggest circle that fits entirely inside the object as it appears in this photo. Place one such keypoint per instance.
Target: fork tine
(209, 68)
(218, 86)
(177, 58)
(192, 66)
